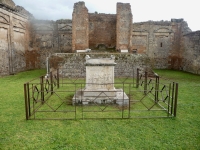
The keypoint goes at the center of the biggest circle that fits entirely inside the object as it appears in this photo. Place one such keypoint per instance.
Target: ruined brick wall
(65, 35)
(49, 37)
(14, 38)
(25, 43)
(44, 42)
(80, 27)
(179, 27)
(191, 52)
(102, 31)
(124, 26)
(160, 41)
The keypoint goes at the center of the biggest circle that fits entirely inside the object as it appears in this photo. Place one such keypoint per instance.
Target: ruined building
(26, 42)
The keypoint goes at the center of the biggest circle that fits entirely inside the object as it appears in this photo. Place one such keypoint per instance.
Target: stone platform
(100, 97)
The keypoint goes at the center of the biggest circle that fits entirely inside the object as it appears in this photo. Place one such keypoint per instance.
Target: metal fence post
(29, 105)
(145, 83)
(169, 98)
(137, 82)
(156, 88)
(133, 77)
(123, 103)
(176, 98)
(158, 84)
(129, 101)
(26, 104)
(58, 79)
(172, 101)
(42, 88)
(51, 82)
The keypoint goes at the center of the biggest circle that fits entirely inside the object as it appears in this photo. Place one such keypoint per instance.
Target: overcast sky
(142, 10)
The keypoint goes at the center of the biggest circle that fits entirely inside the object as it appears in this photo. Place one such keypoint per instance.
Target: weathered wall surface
(102, 31)
(65, 35)
(25, 42)
(191, 52)
(154, 39)
(4, 50)
(49, 37)
(80, 27)
(160, 41)
(73, 65)
(14, 38)
(8, 3)
(124, 26)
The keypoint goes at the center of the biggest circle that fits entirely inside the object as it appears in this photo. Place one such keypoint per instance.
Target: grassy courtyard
(182, 132)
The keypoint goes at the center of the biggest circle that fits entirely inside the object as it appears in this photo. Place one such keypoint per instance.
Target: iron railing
(142, 96)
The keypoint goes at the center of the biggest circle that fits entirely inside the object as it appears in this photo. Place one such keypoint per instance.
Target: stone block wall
(64, 28)
(191, 52)
(160, 41)
(14, 38)
(73, 65)
(124, 26)
(102, 31)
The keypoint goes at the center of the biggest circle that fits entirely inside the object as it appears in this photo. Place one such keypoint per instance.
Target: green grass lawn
(182, 132)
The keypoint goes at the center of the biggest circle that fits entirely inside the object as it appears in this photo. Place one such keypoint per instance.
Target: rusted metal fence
(142, 96)
(157, 95)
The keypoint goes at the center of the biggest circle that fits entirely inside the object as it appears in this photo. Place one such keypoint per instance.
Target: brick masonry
(124, 26)
(80, 27)
(102, 31)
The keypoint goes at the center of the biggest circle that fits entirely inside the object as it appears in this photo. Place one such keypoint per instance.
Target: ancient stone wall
(73, 65)
(160, 41)
(124, 26)
(191, 52)
(21, 10)
(65, 35)
(80, 27)
(8, 3)
(48, 37)
(25, 42)
(14, 38)
(102, 31)
(179, 27)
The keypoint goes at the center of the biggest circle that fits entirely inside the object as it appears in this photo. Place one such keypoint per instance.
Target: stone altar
(99, 86)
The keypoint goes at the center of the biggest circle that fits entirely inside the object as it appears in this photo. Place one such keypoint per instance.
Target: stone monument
(99, 87)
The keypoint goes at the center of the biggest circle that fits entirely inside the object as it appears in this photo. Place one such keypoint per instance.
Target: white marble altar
(100, 83)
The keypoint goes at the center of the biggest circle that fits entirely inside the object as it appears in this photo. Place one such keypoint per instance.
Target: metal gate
(142, 96)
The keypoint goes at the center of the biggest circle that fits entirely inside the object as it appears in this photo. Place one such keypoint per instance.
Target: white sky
(142, 10)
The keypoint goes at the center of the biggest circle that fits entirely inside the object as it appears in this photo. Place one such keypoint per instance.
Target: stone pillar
(80, 27)
(124, 26)
(175, 54)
